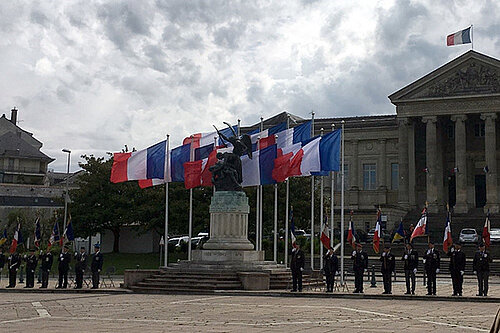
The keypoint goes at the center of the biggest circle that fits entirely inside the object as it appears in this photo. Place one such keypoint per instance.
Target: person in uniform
(359, 266)
(80, 266)
(14, 262)
(330, 268)
(481, 265)
(2, 262)
(63, 267)
(410, 258)
(387, 268)
(46, 265)
(457, 268)
(297, 267)
(432, 263)
(31, 263)
(96, 266)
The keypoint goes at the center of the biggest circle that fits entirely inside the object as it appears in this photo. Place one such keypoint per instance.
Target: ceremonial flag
(149, 163)
(325, 238)
(377, 233)
(68, 231)
(460, 37)
(292, 230)
(178, 157)
(421, 228)
(3, 239)
(55, 236)
(17, 239)
(400, 233)
(486, 231)
(266, 137)
(38, 234)
(204, 139)
(351, 234)
(259, 169)
(447, 239)
(294, 135)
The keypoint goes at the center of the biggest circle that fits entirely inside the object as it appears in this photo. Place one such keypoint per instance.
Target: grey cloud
(65, 95)
(228, 36)
(38, 17)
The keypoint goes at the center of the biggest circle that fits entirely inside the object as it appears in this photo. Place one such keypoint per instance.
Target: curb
(67, 291)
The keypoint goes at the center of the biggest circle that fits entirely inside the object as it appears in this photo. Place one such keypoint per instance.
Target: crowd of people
(44, 262)
(431, 260)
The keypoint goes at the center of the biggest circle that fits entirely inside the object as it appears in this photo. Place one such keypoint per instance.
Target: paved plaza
(64, 312)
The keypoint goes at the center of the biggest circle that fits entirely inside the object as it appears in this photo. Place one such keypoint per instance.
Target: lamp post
(66, 194)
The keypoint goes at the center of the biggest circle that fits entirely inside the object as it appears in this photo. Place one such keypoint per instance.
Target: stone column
(411, 165)
(431, 161)
(403, 162)
(353, 172)
(461, 163)
(490, 152)
(382, 167)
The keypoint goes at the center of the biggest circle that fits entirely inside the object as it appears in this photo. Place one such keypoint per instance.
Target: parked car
(384, 235)
(495, 235)
(177, 241)
(469, 236)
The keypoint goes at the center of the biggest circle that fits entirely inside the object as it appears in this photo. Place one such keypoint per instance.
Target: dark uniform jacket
(331, 264)
(457, 261)
(81, 261)
(64, 260)
(360, 261)
(432, 260)
(14, 261)
(482, 261)
(388, 263)
(31, 262)
(410, 260)
(2, 260)
(96, 264)
(47, 260)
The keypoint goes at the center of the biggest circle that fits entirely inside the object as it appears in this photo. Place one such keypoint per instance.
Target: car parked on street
(495, 235)
(468, 236)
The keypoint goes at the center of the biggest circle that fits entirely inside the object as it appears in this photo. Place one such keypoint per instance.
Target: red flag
(351, 235)
(267, 141)
(192, 174)
(325, 239)
(376, 234)
(447, 239)
(281, 167)
(13, 245)
(206, 175)
(421, 228)
(486, 231)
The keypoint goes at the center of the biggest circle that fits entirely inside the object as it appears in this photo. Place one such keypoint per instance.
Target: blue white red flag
(351, 234)
(447, 239)
(421, 228)
(460, 37)
(18, 239)
(38, 234)
(377, 233)
(55, 236)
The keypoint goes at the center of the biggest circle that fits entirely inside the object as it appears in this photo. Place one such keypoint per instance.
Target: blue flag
(69, 231)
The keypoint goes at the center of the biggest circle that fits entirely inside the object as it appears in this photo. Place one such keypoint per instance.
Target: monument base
(228, 256)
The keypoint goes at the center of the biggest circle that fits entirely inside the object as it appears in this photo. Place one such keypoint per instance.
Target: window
(369, 176)
(479, 129)
(338, 179)
(394, 176)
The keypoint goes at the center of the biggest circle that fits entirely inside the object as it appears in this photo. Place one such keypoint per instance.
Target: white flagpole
(342, 210)
(321, 223)
(261, 203)
(275, 236)
(166, 178)
(472, 37)
(332, 202)
(287, 203)
(312, 201)
(190, 232)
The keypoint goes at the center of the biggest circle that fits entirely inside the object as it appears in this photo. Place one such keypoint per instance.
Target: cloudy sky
(92, 76)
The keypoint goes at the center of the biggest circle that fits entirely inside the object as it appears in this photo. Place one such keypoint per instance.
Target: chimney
(13, 115)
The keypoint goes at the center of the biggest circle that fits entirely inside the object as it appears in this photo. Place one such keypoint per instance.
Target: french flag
(150, 163)
(38, 233)
(460, 37)
(55, 236)
(325, 238)
(16, 240)
(421, 228)
(265, 138)
(205, 139)
(447, 239)
(486, 231)
(197, 173)
(259, 169)
(377, 233)
(351, 233)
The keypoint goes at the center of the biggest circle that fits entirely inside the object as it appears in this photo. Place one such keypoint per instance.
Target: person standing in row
(410, 258)
(2, 262)
(481, 265)
(330, 268)
(457, 268)
(359, 265)
(80, 266)
(64, 260)
(46, 265)
(432, 263)
(14, 262)
(96, 266)
(297, 267)
(31, 263)
(387, 268)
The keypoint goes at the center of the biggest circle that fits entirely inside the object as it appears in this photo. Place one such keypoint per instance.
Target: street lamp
(66, 195)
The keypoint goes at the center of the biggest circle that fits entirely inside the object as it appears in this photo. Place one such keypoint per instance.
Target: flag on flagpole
(38, 234)
(325, 238)
(68, 231)
(421, 227)
(17, 239)
(3, 239)
(292, 230)
(447, 239)
(460, 37)
(351, 234)
(55, 236)
(377, 233)
(400, 233)
(486, 231)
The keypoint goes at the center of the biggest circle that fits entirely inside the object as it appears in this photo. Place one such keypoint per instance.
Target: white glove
(383, 254)
(424, 260)
(366, 270)
(485, 255)
(428, 251)
(462, 272)
(406, 256)
(99, 270)
(452, 249)
(437, 270)
(474, 272)
(353, 253)
(414, 271)
(301, 269)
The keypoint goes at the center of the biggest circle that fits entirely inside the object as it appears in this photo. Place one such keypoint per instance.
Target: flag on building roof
(487, 231)
(421, 227)
(149, 163)
(447, 239)
(325, 234)
(17, 239)
(400, 233)
(293, 239)
(38, 233)
(460, 37)
(377, 233)
(3, 239)
(351, 234)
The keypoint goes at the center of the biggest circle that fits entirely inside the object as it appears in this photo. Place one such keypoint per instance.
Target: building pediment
(470, 74)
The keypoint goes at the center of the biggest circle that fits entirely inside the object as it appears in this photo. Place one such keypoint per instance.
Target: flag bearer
(64, 260)
(14, 262)
(457, 268)
(481, 265)
(410, 258)
(80, 266)
(359, 265)
(31, 263)
(387, 268)
(432, 262)
(46, 265)
(330, 268)
(96, 266)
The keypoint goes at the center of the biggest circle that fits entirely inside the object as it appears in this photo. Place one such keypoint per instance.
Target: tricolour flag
(68, 231)
(293, 239)
(325, 238)
(460, 37)
(486, 231)
(38, 233)
(400, 233)
(3, 239)
(447, 239)
(16, 240)
(204, 139)
(377, 233)
(351, 234)
(55, 236)
(149, 163)
(421, 228)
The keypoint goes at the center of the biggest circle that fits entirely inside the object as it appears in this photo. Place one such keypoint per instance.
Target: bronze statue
(227, 172)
